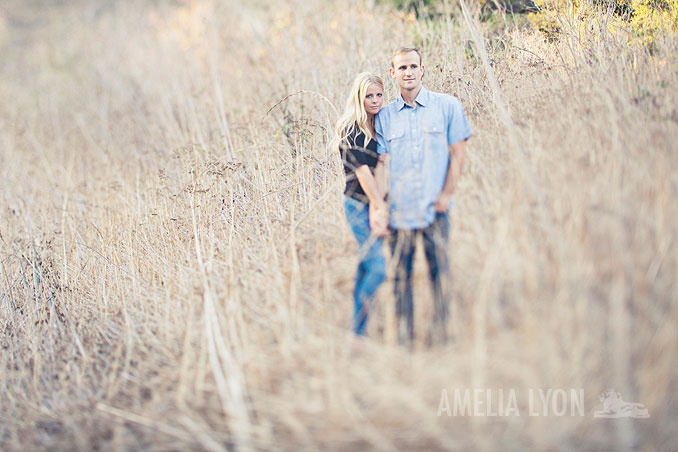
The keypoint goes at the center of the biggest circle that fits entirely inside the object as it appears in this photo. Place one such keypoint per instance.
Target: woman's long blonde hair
(354, 112)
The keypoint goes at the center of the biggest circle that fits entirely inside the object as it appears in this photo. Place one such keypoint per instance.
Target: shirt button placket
(416, 156)
(417, 146)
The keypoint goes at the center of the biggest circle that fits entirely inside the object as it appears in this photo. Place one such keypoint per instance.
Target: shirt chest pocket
(432, 127)
(433, 137)
(395, 134)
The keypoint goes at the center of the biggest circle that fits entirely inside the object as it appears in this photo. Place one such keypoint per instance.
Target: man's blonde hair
(403, 50)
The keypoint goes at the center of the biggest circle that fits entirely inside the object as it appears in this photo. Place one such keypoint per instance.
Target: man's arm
(458, 131)
(457, 155)
(381, 175)
(381, 171)
(379, 129)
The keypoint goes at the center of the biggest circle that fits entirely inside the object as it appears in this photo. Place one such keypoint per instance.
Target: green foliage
(651, 16)
(420, 8)
(645, 19)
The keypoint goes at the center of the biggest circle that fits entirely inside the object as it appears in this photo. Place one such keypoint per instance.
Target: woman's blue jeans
(371, 264)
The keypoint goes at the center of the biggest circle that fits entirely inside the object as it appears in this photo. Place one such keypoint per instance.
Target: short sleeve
(353, 152)
(381, 143)
(458, 128)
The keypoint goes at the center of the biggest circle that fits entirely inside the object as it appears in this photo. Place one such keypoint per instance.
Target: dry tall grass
(176, 266)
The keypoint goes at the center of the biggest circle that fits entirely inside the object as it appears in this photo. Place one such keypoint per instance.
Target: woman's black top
(355, 154)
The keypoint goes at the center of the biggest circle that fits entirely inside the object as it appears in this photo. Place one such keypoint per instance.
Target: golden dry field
(176, 268)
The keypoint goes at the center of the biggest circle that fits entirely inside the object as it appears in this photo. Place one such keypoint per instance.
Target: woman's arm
(370, 186)
(378, 208)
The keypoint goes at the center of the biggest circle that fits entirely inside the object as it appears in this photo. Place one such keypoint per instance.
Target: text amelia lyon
(504, 402)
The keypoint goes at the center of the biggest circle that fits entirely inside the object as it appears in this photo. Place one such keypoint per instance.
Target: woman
(366, 210)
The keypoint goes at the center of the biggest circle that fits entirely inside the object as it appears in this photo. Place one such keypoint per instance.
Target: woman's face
(374, 98)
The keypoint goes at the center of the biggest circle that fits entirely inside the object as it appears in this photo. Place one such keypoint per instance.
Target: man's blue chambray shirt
(417, 141)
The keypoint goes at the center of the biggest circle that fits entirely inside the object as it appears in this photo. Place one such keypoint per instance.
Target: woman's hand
(379, 218)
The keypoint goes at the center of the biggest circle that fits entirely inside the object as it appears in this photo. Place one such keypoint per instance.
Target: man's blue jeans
(435, 237)
(371, 265)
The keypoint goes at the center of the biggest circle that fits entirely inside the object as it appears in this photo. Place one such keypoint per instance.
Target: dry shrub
(176, 267)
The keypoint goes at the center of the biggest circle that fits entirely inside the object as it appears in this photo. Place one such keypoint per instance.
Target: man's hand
(379, 219)
(443, 202)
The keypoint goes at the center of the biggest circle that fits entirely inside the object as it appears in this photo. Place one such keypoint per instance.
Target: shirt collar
(421, 99)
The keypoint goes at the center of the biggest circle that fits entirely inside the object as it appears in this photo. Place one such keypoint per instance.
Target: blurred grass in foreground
(176, 268)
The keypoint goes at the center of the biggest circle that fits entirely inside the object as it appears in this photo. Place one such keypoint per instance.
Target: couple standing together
(421, 137)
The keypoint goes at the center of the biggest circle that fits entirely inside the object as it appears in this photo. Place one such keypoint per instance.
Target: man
(424, 133)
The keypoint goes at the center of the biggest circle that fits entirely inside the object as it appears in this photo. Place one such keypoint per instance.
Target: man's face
(407, 70)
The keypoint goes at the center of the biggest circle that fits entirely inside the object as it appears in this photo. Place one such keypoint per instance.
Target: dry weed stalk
(176, 269)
